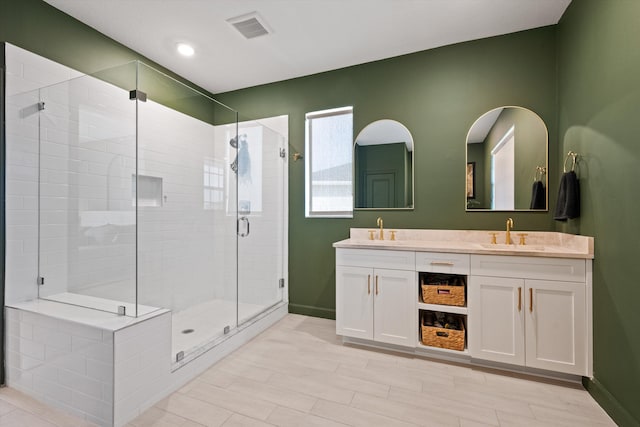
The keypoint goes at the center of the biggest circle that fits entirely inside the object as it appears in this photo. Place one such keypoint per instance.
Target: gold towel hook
(540, 173)
(574, 159)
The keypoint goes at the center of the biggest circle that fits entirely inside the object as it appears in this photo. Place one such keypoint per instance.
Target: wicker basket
(444, 294)
(443, 338)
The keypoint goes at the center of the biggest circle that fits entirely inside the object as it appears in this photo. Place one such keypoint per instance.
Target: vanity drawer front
(437, 262)
(394, 260)
(565, 269)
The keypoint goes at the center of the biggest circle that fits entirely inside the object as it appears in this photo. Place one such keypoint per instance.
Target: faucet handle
(493, 238)
(371, 234)
(522, 238)
(393, 234)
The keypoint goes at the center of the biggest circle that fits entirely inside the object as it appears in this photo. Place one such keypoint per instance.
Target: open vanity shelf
(442, 306)
(444, 309)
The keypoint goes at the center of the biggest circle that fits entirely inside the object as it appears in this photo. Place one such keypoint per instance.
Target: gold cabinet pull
(445, 263)
(530, 300)
(368, 284)
(376, 284)
(519, 299)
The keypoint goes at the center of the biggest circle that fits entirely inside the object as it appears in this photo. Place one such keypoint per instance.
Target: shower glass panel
(186, 192)
(260, 173)
(87, 223)
(151, 195)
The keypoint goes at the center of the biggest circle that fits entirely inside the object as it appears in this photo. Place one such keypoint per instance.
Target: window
(213, 184)
(329, 160)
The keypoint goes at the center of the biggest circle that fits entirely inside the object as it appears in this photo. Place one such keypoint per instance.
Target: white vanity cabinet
(525, 307)
(375, 295)
(529, 311)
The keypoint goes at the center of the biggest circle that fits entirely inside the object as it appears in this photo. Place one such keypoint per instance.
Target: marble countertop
(538, 243)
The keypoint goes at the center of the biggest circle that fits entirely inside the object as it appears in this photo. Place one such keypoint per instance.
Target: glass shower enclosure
(152, 195)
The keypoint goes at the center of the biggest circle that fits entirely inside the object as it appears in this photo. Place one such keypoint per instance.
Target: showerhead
(234, 141)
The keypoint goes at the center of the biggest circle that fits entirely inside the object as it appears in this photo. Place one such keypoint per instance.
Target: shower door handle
(248, 227)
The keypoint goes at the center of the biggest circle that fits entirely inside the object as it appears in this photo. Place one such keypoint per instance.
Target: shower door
(260, 170)
(186, 192)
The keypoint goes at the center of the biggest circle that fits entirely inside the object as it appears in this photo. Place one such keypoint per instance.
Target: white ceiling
(385, 131)
(481, 127)
(308, 36)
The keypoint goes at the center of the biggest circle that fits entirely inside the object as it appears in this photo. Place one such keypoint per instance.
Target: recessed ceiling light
(185, 49)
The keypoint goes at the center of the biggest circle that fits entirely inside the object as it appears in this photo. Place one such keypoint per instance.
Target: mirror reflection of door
(503, 172)
(380, 178)
(383, 166)
(380, 192)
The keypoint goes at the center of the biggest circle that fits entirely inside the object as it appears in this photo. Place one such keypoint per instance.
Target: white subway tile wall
(61, 363)
(142, 366)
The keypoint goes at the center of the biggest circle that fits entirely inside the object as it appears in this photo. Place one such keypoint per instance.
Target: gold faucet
(379, 222)
(508, 235)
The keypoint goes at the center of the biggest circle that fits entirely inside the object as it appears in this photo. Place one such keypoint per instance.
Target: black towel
(538, 199)
(568, 205)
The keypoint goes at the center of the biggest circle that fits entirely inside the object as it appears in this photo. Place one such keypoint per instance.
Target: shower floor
(195, 326)
(192, 328)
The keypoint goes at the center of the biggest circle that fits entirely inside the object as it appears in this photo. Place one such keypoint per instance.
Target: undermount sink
(512, 247)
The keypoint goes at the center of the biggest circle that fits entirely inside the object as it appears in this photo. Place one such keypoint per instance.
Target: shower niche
(146, 191)
(159, 204)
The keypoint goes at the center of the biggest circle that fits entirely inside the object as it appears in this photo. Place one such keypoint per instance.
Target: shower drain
(187, 331)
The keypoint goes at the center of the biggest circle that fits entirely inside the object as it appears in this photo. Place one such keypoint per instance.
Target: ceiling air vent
(249, 25)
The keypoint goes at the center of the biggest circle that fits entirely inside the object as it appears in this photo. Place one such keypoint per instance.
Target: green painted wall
(599, 101)
(437, 94)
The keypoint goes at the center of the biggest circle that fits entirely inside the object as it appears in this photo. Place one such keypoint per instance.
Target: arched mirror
(383, 166)
(507, 161)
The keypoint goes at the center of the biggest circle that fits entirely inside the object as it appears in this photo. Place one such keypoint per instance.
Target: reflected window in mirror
(383, 166)
(508, 147)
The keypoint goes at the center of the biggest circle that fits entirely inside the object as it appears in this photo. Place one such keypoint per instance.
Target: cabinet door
(496, 319)
(354, 302)
(395, 307)
(555, 326)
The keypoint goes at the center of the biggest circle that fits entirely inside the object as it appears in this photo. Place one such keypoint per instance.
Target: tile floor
(298, 374)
